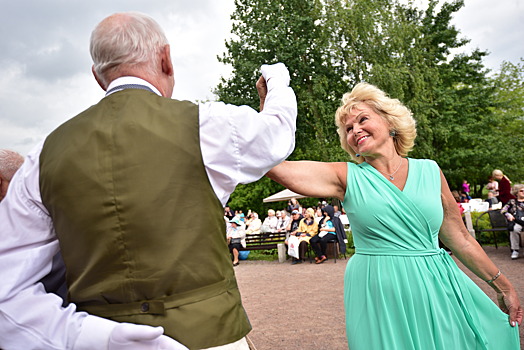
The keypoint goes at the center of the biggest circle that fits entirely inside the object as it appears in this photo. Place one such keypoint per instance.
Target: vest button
(144, 307)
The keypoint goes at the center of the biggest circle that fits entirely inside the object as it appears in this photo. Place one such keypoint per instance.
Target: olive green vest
(141, 230)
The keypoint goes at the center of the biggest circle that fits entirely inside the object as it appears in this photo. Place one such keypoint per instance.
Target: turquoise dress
(400, 290)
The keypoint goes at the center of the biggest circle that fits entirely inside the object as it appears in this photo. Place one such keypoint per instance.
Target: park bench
(263, 241)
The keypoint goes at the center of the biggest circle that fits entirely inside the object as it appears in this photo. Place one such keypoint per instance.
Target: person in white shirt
(283, 221)
(10, 162)
(132, 63)
(270, 222)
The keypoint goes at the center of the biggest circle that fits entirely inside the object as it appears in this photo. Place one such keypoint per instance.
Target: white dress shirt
(238, 145)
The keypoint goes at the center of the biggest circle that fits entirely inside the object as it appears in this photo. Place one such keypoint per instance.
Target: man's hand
(262, 91)
(141, 337)
(272, 75)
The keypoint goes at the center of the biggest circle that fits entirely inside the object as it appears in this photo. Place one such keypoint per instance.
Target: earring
(357, 155)
(392, 133)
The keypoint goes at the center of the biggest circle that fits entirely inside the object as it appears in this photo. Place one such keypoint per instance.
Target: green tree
(508, 84)
(329, 45)
(292, 32)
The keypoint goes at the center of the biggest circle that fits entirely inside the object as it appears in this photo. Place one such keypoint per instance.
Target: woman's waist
(389, 251)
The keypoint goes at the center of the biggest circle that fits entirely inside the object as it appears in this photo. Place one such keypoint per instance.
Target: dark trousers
(302, 250)
(319, 245)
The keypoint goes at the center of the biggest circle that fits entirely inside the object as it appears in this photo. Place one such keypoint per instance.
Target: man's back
(130, 161)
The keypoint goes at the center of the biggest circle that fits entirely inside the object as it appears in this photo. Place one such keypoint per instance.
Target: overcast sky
(45, 67)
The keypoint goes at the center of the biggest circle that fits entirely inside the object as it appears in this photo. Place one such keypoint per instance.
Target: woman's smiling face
(367, 132)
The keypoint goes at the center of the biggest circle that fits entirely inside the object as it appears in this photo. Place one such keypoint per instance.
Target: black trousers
(319, 244)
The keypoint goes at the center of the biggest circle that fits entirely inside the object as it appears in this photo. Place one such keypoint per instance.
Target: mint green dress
(400, 290)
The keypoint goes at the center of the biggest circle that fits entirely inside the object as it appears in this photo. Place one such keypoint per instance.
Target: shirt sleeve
(240, 145)
(30, 318)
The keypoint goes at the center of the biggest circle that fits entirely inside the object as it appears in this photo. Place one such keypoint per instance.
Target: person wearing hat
(294, 223)
(307, 229)
(236, 238)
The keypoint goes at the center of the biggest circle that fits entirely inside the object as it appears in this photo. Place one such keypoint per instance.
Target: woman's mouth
(361, 139)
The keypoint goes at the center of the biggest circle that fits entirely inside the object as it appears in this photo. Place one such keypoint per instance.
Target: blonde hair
(311, 212)
(397, 116)
(271, 211)
(498, 173)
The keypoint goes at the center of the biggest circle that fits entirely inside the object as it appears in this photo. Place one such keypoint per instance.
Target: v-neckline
(378, 173)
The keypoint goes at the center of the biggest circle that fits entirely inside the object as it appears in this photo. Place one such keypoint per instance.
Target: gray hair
(516, 188)
(129, 38)
(10, 162)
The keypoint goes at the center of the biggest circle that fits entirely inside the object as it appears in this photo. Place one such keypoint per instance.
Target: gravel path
(317, 322)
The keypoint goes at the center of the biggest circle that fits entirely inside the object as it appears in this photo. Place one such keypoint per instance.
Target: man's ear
(98, 80)
(3, 191)
(167, 64)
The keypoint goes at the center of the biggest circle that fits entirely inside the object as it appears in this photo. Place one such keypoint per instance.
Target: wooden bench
(263, 241)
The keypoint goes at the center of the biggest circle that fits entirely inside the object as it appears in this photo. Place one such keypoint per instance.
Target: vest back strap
(158, 307)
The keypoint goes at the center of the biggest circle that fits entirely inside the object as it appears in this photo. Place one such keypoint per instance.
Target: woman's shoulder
(424, 165)
(423, 162)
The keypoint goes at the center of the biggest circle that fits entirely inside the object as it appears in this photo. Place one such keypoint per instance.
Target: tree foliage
(464, 118)
(508, 106)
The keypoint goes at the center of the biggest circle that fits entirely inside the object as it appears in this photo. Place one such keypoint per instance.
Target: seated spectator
(493, 186)
(492, 199)
(337, 211)
(326, 233)
(283, 221)
(318, 214)
(236, 239)
(270, 222)
(254, 225)
(294, 223)
(514, 212)
(307, 229)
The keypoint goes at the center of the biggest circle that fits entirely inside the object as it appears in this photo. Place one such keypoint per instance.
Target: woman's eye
(348, 129)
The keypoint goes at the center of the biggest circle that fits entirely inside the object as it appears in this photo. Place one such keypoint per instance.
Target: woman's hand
(510, 304)
(510, 217)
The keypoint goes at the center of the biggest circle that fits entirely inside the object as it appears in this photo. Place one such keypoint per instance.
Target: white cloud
(45, 67)
(45, 75)
(495, 27)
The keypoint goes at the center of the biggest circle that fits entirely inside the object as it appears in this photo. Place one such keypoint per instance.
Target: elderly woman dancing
(401, 291)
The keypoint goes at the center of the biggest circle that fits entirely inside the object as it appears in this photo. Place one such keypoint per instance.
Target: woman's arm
(313, 229)
(312, 179)
(329, 227)
(241, 233)
(455, 236)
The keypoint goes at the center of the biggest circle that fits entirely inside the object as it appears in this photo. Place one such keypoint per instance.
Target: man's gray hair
(129, 38)
(10, 162)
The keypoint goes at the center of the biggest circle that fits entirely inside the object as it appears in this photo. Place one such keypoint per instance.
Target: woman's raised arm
(312, 179)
